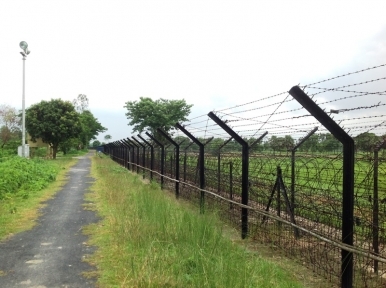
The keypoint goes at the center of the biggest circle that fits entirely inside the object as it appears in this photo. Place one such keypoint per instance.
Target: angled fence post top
(139, 143)
(168, 137)
(144, 140)
(380, 145)
(227, 129)
(131, 142)
(124, 143)
(190, 144)
(320, 115)
(209, 140)
(187, 133)
(225, 143)
(258, 140)
(155, 140)
(128, 143)
(312, 132)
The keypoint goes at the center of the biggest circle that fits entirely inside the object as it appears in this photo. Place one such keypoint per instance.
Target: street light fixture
(24, 46)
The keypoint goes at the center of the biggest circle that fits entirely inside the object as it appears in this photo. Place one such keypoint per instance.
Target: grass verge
(19, 214)
(146, 238)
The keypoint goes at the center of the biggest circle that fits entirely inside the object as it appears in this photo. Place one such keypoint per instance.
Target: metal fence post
(151, 155)
(143, 155)
(244, 171)
(137, 158)
(177, 161)
(129, 163)
(376, 204)
(162, 157)
(347, 261)
(231, 184)
(125, 153)
(201, 161)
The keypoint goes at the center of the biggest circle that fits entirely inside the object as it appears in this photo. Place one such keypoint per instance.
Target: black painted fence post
(201, 164)
(244, 171)
(376, 205)
(177, 160)
(162, 157)
(143, 155)
(151, 155)
(135, 159)
(347, 261)
(126, 153)
(129, 163)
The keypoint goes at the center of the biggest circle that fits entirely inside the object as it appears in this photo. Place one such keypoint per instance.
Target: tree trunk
(54, 151)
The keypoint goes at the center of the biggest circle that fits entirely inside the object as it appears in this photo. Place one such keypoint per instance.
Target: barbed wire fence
(280, 171)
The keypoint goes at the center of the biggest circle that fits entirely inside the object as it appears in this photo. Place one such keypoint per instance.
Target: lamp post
(24, 46)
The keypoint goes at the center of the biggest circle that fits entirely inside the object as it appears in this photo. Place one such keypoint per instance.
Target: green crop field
(316, 184)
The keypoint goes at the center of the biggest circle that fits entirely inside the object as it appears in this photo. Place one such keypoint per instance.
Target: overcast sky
(214, 54)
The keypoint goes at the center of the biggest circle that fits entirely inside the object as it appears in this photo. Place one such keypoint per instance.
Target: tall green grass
(146, 238)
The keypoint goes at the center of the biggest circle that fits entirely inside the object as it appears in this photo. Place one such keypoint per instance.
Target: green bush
(23, 176)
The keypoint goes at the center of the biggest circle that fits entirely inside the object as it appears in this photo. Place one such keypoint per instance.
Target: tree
(288, 142)
(366, 141)
(90, 127)
(328, 143)
(107, 138)
(66, 145)
(285, 143)
(54, 121)
(311, 144)
(257, 147)
(148, 115)
(96, 143)
(9, 124)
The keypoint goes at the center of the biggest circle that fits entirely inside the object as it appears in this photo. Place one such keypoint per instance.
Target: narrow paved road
(51, 254)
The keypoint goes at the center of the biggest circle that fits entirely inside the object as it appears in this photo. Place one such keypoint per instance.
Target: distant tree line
(323, 143)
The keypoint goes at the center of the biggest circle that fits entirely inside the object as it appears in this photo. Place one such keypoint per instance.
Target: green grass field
(318, 182)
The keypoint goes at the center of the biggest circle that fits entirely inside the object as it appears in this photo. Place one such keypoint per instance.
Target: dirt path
(51, 254)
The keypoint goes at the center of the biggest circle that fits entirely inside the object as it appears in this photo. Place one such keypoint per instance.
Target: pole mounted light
(24, 46)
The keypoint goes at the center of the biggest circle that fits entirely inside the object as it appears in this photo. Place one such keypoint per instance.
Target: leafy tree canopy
(90, 127)
(366, 141)
(54, 121)
(148, 115)
(96, 143)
